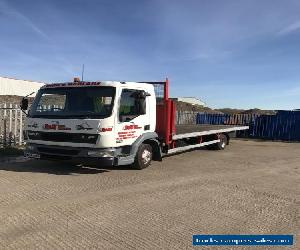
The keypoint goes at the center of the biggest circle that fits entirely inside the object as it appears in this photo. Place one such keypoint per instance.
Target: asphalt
(251, 187)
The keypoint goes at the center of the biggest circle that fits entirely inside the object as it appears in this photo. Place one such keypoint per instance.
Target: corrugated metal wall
(218, 119)
(285, 125)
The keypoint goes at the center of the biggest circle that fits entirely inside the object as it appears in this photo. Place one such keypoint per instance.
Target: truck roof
(99, 84)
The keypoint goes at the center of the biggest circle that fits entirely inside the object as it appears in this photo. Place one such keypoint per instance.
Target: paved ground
(250, 188)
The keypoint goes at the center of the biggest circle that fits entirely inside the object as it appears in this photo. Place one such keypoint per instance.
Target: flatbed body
(191, 130)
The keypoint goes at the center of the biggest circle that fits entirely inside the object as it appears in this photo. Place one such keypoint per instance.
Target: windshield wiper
(85, 114)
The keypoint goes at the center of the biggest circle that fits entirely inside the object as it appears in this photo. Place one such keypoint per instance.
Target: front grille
(63, 137)
(59, 151)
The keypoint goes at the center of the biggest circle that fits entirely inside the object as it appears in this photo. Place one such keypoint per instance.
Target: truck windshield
(85, 102)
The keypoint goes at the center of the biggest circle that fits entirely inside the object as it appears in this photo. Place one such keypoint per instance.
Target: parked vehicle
(112, 123)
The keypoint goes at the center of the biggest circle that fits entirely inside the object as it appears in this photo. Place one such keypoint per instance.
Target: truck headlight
(102, 153)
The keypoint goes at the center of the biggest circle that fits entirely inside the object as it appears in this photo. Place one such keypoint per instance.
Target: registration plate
(31, 155)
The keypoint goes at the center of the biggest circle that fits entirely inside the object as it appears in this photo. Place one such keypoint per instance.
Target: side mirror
(140, 94)
(24, 104)
(144, 94)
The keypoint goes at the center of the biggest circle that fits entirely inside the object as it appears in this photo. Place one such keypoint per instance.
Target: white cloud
(290, 28)
(195, 29)
(13, 12)
(57, 60)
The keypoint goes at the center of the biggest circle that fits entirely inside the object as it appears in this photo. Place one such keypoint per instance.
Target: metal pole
(82, 73)
(10, 117)
(21, 128)
(1, 120)
(166, 89)
(4, 132)
(16, 123)
(4, 106)
(4, 125)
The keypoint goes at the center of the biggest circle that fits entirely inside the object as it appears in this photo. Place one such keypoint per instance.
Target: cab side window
(132, 104)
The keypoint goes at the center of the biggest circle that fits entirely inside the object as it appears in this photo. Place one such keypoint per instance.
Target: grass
(10, 151)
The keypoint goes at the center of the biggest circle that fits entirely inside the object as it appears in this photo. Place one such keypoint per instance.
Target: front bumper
(69, 154)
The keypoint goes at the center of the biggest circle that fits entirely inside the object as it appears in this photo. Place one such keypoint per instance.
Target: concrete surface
(249, 188)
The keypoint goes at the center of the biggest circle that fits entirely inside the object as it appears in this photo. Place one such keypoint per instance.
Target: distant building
(15, 87)
(12, 90)
(190, 100)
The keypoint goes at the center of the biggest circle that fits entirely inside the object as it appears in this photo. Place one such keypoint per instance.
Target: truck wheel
(222, 144)
(143, 157)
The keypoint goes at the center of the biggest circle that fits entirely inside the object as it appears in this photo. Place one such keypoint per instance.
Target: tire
(222, 144)
(143, 157)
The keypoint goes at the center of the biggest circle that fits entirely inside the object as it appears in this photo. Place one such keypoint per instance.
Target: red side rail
(165, 113)
(165, 125)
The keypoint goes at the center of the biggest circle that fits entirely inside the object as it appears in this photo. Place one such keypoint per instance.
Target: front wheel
(143, 156)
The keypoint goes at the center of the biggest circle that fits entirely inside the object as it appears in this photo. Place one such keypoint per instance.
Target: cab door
(133, 116)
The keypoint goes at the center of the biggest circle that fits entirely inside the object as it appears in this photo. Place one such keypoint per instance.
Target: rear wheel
(222, 144)
(143, 156)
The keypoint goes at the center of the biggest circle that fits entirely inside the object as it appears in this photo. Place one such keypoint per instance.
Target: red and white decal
(55, 127)
(131, 127)
(126, 135)
(106, 129)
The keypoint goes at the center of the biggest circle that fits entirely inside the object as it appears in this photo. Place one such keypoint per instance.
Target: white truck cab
(88, 121)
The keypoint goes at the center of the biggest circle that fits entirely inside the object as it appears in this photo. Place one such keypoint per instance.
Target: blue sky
(234, 53)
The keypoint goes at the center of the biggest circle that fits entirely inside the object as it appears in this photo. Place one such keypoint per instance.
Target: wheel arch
(150, 138)
(156, 150)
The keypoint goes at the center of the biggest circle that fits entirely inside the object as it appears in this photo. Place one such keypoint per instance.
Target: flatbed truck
(112, 123)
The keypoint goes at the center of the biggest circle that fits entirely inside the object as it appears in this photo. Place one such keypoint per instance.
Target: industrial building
(16, 87)
(190, 100)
